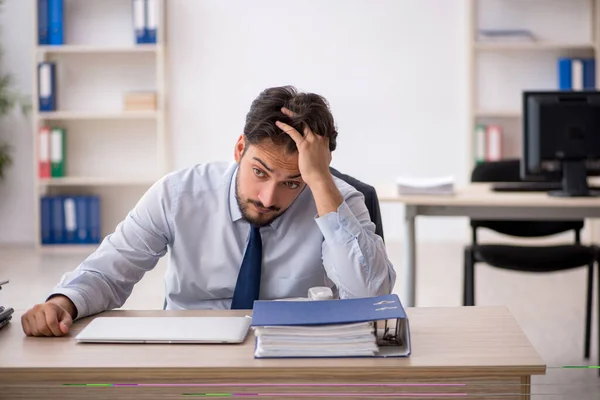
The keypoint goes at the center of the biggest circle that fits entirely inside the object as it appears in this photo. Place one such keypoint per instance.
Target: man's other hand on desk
(52, 318)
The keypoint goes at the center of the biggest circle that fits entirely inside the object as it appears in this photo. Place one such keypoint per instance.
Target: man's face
(268, 181)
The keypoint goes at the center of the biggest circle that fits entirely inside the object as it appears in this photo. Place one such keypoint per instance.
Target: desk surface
(453, 341)
(481, 194)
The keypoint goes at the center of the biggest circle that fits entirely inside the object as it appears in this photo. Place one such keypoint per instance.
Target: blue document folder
(47, 86)
(386, 312)
(55, 22)
(42, 18)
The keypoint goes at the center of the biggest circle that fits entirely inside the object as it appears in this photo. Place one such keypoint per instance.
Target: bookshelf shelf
(73, 249)
(498, 114)
(94, 115)
(96, 181)
(98, 49)
(531, 46)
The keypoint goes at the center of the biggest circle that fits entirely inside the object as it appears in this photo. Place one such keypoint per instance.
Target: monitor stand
(574, 181)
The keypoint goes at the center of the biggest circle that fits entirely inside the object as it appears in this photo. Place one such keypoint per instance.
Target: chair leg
(469, 278)
(598, 291)
(588, 311)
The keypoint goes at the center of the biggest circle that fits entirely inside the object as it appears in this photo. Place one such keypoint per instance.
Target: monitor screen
(561, 139)
(559, 127)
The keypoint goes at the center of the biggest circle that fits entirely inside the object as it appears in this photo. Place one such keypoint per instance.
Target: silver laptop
(165, 330)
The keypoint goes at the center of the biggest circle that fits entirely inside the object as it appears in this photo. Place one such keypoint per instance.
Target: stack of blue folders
(365, 327)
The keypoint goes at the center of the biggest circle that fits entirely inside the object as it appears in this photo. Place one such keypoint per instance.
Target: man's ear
(240, 145)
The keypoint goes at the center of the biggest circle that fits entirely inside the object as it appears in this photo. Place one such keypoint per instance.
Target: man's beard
(244, 204)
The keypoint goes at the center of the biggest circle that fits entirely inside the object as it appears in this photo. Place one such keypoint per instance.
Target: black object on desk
(5, 316)
(5, 322)
(561, 139)
(5, 313)
(542, 186)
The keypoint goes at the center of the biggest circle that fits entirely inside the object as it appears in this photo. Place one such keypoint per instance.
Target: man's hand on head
(314, 155)
(314, 158)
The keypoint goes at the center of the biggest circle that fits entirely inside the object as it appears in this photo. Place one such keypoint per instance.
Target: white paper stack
(344, 340)
(434, 186)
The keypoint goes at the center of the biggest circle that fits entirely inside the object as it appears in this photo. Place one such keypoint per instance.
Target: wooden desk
(472, 350)
(479, 201)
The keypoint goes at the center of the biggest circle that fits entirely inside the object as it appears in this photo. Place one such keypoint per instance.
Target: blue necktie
(247, 288)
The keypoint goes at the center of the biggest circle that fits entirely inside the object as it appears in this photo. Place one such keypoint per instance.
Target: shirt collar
(234, 209)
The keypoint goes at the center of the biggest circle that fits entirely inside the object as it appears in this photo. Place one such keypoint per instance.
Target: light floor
(550, 308)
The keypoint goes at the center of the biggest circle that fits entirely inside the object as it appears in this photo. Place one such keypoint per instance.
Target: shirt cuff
(340, 224)
(77, 299)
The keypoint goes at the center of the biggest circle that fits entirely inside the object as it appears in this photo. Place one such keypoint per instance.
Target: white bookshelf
(497, 114)
(69, 249)
(97, 49)
(96, 181)
(500, 71)
(535, 46)
(110, 152)
(96, 115)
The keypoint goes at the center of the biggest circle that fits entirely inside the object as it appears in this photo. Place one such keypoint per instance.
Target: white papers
(344, 340)
(438, 186)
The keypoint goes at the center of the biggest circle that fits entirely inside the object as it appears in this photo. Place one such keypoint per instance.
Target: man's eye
(292, 185)
(258, 172)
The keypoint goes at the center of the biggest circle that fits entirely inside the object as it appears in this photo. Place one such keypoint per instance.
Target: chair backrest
(371, 199)
(509, 171)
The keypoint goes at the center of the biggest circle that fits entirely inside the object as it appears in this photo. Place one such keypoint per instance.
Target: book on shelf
(139, 101)
(51, 26)
(145, 21)
(67, 219)
(576, 73)
(50, 20)
(47, 86)
(488, 142)
(42, 19)
(51, 152)
(139, 21)
(151, 27)
(57, 152)
(56, 22)
(44, 168)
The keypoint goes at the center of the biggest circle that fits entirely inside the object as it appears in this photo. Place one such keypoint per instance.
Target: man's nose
(268, 196)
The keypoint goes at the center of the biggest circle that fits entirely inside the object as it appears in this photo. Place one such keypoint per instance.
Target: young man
(271, 225)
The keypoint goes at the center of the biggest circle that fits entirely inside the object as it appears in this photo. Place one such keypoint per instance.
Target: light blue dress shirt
(193, 215)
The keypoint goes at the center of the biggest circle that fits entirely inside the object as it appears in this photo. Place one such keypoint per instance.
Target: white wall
(394, 71)
(16, 191)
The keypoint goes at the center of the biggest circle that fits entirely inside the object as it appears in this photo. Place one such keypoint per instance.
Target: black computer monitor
(561, 139)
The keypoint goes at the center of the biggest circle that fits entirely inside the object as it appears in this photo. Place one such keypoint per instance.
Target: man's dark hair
(310, 109)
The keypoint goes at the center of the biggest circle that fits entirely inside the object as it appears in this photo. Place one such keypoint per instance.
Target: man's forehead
(275, 159)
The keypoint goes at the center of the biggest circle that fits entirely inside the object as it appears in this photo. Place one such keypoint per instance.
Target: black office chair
(371, 199)
(526, 258)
